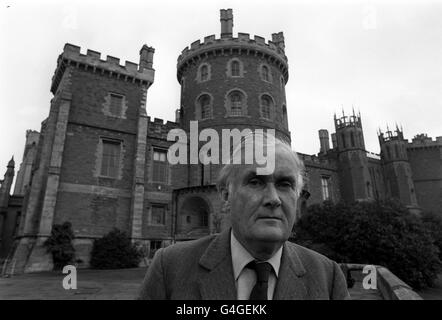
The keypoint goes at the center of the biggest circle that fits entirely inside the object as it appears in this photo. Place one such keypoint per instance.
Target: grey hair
(230, 170)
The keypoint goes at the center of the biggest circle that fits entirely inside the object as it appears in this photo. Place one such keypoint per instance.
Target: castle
(100, 162)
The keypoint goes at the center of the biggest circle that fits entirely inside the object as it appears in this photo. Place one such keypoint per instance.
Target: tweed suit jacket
(202, 270)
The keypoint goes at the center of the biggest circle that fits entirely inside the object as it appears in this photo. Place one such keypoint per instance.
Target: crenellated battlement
(158, 127)
(423, 140)
(373, 155)
(91, 61)
(32, 137)
(396, 135)
(243, 44)
(315, 160)
(348, 121)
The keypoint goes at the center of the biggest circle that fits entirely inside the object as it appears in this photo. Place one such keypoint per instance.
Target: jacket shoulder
(309, 256)
(186, 251)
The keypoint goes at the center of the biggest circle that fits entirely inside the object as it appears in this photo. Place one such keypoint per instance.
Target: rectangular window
(204, 219)
(204, 73)
(235, 69)
(154, 246)
(158, 214)
(325, 184)
(160, 166)
(116, 104)
(110, 159)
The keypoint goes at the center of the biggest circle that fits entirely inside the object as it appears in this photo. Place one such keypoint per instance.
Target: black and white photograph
(221, 150)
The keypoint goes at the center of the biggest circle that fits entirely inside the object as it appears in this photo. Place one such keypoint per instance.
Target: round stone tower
(229, 83)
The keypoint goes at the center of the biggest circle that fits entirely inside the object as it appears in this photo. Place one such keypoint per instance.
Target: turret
(397, 170)
(324, 140)
(233, 83)
(146, 57)
(349, 133)
(355, 181)
(393, 145)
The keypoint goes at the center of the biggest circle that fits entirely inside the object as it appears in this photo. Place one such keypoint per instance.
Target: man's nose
(271, 197)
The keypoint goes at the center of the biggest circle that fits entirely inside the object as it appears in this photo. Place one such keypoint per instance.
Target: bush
(372, 233)
(115, 251)
(59, 244)
(434, 223)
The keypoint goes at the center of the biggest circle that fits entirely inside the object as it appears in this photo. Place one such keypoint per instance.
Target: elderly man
(252, 260)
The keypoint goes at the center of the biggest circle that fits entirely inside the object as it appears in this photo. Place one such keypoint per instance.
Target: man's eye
(255, 182)
(285, 184)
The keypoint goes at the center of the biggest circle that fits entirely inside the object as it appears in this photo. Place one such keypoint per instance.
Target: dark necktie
(262, 269)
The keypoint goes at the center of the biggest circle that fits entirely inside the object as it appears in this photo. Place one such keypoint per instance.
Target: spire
(11, 163)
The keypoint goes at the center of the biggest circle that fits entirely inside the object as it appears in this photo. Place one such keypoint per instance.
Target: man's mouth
(269, 218)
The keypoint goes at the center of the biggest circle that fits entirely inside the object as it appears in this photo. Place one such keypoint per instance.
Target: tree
(115, 251)
(381, 233)
(59, 244)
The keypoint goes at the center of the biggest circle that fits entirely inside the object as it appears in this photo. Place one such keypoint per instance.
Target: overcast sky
(383, 58)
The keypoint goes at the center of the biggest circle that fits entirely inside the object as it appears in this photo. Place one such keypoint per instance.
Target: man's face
(263, 207)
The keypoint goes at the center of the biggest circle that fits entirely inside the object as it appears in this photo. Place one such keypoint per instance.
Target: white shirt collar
(241, 257)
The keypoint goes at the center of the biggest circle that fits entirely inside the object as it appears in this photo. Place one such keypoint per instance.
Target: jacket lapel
(290, 284)
(218, 282)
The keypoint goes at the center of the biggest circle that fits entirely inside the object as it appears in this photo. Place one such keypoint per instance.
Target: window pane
(158, 213)
(204, 73)
(154, 246)
(160, 167)
(110, 160)
(235, 68)
(325, 188)
(265, 104)
(116, 103)
(236, 104)
(204, 219)
(265, 73)
(204, 103)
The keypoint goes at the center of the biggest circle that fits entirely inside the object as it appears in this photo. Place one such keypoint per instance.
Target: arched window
(343, 141)
(352, 137)
(236, 102)
(266, 106)
(396, 149)
(235, 68)
(205, 106)
(204, 73)
(265, 73)
(284, 115)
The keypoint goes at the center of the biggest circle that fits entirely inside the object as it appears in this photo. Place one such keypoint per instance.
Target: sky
(382, 58)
